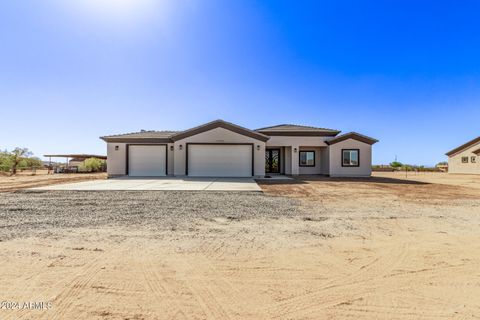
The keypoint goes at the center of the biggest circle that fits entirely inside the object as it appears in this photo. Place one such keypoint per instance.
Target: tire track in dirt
(367, 275)
(64, 301)
(159, 287)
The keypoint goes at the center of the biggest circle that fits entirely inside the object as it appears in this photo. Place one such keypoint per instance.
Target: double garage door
(219, 160)
(203, 160)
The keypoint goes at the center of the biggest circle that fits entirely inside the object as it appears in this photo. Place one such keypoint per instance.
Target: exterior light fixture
(116, 148)
(258, 147)
(295, 150)
(180, 147)
(171, 148)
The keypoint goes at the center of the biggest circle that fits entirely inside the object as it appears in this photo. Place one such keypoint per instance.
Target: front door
(272, 161)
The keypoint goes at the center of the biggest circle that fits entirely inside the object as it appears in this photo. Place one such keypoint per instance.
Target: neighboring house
(223, 149)
(466, 158)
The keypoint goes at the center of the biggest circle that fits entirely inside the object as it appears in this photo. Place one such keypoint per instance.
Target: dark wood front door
(272, 161)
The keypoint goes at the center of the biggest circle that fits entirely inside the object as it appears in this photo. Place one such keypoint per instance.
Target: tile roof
(144, 134)
(294, 127)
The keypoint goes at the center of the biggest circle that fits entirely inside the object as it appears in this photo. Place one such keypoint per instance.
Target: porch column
(294, 159)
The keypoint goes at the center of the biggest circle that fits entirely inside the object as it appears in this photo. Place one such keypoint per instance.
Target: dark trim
(307, 165)
(219, 143)
(127, 151)
(354, 136)
(220, 124)
(350, 166)
(464, 146)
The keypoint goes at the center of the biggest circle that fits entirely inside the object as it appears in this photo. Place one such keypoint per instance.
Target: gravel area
(25, 214)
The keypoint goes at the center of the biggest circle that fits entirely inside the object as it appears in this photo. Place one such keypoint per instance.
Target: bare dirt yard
(311, 248)
(41, 178)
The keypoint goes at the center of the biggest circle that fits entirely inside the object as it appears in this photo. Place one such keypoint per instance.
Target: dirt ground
(380, 248)
(464, 180)
(24, 180)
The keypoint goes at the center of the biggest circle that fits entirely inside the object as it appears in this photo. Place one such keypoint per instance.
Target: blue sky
(404, 72)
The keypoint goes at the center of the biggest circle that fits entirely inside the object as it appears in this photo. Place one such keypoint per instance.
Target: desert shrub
(5, 161)
(396, 164)
(92, 165)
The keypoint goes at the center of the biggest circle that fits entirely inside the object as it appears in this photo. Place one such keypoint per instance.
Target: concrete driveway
(163, 183)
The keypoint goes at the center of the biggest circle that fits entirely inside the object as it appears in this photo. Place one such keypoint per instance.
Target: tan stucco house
(466, 158)
(223, 149)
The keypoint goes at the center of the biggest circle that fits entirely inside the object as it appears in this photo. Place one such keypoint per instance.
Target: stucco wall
(455, 164)
(116, 159)
(325, 160)
(278, 141)
(318, 161)
(365, 168)
(219, 135)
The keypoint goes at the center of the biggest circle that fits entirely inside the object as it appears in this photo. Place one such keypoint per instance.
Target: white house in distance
(223, 149)
(465, 159)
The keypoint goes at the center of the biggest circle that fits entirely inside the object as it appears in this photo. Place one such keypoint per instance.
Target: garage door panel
(147, 161)
(220, 160)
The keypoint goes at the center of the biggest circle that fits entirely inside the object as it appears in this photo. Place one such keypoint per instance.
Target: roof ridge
(295, 125)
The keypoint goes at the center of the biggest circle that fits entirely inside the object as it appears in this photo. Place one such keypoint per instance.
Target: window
(350, 158)
(307, 158)
(464, 159)
(473, 159)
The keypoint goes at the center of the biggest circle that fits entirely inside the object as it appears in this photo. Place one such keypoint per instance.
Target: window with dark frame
(473, 159)
(307, 158)
(350, 157)
(464, 159)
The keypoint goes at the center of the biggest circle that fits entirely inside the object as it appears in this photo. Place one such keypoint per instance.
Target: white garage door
(219, 160)
(147, 161)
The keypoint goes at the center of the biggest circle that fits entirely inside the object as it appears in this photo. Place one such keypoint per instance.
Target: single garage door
(147, 161)
(218, 160)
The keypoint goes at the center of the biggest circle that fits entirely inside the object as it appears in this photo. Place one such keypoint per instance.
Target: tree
(17, 155)
(94, 164)
(396, 164)
(5, 161)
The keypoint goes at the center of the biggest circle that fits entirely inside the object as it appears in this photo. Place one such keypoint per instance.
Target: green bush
(5, 161)
(92, 165)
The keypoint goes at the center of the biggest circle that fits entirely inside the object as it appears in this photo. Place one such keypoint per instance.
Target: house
(223, 149)
(466, 158)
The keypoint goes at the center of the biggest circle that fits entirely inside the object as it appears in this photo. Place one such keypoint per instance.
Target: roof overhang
(301, 133)
(75, 155)
(219, 124)
(354, 136)
(464, 146)
(136, 140)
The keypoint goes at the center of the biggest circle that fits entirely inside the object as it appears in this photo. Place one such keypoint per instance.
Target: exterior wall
(278, 141)
(365, 168)
(219, 135)
(117, 159)
(288, 160)
(318, 161)
(455, 164)
(293, 143)
(325, 161)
